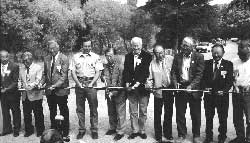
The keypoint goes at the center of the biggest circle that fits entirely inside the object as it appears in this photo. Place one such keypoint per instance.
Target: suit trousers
(167, 101)
(212, 101)
(14, 106)
(117, 112)
(181, 100)
(37, 108)
(241, 106)
(91, 96)
(62, 102)
(138, 97)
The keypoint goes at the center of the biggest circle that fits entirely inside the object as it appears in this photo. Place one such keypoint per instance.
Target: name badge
(223, 74)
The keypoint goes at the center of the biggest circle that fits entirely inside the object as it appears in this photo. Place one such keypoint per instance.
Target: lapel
(210, 68)
(192, 64)
(49, 67)
(9, 68)
(180, 62)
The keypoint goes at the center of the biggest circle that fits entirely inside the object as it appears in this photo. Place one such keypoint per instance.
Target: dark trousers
(241, 106)
(61, 101)
(112, 113)
(14, 106)
(91, 96)
(37, 108)
(181, 100)
(167, 101)
(212, 101)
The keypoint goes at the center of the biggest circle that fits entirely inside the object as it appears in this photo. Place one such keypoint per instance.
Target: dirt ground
(231, 53)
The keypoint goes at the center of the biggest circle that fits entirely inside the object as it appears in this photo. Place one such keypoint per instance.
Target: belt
(85, 78)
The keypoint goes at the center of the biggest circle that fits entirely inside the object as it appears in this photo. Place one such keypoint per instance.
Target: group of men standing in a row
(139, 72)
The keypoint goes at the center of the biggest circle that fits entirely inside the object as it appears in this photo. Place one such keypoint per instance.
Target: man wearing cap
(30, 76)
(187, 71)
(56, 67)
(85, 68)
(136, 72)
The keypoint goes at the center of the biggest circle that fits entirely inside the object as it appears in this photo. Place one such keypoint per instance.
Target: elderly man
(136, 72)
(187, 71)
(159, 77)
(85, 69)
(10, 96)
(56, 67)
(116, 100)
(241, 99)
(30, 76)
(218, 76)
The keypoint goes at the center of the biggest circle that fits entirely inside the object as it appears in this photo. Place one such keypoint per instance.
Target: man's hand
(220, 93)
(3, 90)
(136, 85)
(110, 94)
(128, 86)
(51, 87)
(90, 85)
(28, 87)
(189, 88)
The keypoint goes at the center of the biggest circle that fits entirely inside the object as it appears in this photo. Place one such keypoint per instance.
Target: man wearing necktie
(30, 76)
(187, 71)
(159, 69)
(218, 76)
(10, 96)
(56, 67)
(135, 74)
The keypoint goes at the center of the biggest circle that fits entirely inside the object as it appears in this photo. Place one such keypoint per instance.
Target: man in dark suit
(187, 71)
(56, 67)
(136, 72)
(218, 76)
(10, 96)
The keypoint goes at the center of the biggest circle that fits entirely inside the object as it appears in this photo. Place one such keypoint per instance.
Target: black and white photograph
(125, 71)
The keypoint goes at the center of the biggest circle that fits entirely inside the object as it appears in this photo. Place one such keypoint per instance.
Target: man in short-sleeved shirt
(85, 69)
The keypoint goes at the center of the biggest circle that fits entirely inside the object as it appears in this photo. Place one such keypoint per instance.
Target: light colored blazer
(59, 76)
(30, 81)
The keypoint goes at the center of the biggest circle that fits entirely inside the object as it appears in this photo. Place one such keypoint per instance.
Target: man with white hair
(187, 71)
(136, 72)
(30, 76)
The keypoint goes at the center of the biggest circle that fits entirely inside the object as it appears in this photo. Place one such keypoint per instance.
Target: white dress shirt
(185, 67)
(4, 69)
(218, 65)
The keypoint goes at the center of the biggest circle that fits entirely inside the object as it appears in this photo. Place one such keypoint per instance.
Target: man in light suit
(10, 96)
(187, 71)
(56, 67)
(135, 74)
(30, 76)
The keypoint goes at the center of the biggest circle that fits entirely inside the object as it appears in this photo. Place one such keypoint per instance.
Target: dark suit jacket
(138, 74)
(10, 81)
(59, 75)
(220, 83)
(195, 70)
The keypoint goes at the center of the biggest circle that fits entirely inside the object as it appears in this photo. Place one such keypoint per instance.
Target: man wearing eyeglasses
(187, 71)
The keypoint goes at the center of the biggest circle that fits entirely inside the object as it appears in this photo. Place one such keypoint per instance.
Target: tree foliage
(178, 18)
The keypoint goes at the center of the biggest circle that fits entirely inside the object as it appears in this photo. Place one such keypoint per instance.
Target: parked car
(204, 47)
(234, 39)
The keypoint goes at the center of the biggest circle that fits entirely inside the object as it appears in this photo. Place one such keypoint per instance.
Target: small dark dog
(51, 136)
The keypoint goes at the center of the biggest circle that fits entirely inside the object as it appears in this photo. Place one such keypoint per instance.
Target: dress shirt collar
(219, 62)
(6, 65)
(189, 56)
(136, 55)
(85, 55)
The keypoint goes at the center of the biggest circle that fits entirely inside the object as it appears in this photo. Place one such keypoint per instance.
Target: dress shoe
(66, 138)
(221, 140)
(180, 139)
(16, 134)
(158, 140)
(196, 140)
(94, 135)
(133, 135)
(170, 139)
(118, 137)
(27, 134)
(143, 135)
(6, 133)
(110, 132)
(237, 140)
(80, 135)
(208, 140)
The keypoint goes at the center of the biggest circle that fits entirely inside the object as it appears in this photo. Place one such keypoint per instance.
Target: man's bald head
(4, 56)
